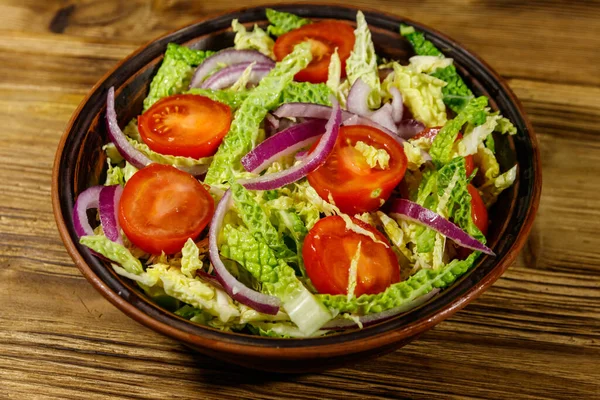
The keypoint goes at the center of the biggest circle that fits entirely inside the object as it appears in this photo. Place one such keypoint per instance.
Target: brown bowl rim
(313, 347)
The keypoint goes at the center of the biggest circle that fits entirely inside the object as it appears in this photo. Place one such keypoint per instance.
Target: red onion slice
(410, 127)
(372, 319)
(358, 98)
(238, 291)
(227, 76)
(397, 105)
(116, 135)
(411, 211)
(208, 277)
(108, 206)
(130, 153)
(226, 57)
(383, 117)
(358, 120)
(311, 162)
(307, 110)
(282, 144)
(86, 200)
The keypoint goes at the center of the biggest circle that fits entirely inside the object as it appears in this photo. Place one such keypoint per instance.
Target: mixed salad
(298, 184)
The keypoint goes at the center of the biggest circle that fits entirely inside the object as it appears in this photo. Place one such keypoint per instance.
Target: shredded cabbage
(373, 156)
(282, 22)
(422, 94)
(362, 62)
(257, 39)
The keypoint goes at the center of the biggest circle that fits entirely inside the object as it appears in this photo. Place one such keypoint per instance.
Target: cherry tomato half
(161, 207)
(328, 251)
(431, 133)
(478, 211)
(324, 37)
(185, 125)
(354, 186)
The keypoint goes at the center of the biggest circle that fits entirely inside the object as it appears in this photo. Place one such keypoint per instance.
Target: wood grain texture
(534, 335)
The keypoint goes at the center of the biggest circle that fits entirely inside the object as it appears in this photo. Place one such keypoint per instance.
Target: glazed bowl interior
(80, 163)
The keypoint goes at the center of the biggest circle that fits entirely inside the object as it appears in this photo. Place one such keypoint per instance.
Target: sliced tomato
(162, 207)
(324, 37)
(478, 211)
(431, 133)
(354, 186)
(185, 125)
(479, 215)
(328, 251)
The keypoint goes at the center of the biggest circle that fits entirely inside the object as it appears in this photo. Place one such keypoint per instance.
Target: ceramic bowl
(80, 163)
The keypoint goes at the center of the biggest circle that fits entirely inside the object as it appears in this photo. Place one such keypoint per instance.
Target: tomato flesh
(431, 133)
(162, 207)
(324, 37)
(328, 251)
(354, 186)
(185, 125)
(478, 211)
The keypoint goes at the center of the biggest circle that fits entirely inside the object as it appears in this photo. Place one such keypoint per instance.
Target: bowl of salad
(297, 187)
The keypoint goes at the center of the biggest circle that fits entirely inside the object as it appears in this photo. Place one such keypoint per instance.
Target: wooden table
(534, 334)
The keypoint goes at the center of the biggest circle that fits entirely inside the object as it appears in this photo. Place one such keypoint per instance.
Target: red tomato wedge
(328, 251)
(354, 186)
(162, 207)
(478, 211)
(479, 215)
(185, 125)
(430, 133)
(324, 38)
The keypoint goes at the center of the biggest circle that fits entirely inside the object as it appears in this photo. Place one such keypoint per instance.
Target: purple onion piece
(358, 98)
(238, 291)
(397, 105)
(88, 199)
(313, 161)
(414, 212)
(307, 110)
(408, 128)
(282, 144)
(383, 117)
(116, 135)
(227, 57)
(227, 76)
(108, 206)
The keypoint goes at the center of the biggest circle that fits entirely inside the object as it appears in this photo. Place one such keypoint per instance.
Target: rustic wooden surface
(534, 334)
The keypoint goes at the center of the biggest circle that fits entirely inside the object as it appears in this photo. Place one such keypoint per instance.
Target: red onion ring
(307, 110)
(408, 128)
(414, 212)
(372, 319)
(86, 200)
(108, 207)
(227, 76)
(383, 117)
(226, 57)
(397, 104)
(311, 162)
(116, 135)
(283, 143)
(358, 98)
(260, 302)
